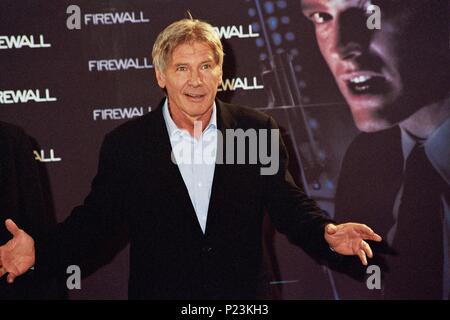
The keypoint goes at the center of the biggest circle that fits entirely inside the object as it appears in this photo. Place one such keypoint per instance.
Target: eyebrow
(186, 63)
(207, 61)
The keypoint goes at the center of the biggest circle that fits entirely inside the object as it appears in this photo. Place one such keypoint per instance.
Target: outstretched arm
(17, 256)
(349, 239)
(295, 214)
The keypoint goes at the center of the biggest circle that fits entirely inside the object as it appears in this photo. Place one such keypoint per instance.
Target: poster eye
(320, 17)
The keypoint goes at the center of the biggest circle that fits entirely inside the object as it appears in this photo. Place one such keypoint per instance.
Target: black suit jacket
(23, 198)
(138, 186)
(370, 178)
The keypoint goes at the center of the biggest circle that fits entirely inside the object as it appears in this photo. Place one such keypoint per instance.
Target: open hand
(17, 256)
(349, 239)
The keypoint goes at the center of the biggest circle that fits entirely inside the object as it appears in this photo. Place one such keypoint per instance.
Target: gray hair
(181, 32)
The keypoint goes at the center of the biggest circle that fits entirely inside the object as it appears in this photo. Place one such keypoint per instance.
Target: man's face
(191, 79)
(382, 74)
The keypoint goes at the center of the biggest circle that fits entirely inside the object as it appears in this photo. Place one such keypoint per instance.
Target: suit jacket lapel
(222, 172)
(168, 171)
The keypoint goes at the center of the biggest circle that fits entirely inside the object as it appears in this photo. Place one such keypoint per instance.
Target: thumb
(12, 227)
(331, 228)
(10, 278)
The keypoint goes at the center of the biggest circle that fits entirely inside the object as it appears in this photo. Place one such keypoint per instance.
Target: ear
(161, 78)
(219, 79)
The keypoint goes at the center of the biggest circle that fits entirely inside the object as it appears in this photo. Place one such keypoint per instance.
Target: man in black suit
(22, 197)
(194, 228)
(396, 175)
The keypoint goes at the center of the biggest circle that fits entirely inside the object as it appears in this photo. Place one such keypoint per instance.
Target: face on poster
(384, 74)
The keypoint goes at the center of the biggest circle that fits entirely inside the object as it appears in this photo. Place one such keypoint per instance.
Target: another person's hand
(17, 256)
(349, 239)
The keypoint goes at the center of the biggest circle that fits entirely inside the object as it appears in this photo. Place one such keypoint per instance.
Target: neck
(427, 119)
(195, 125)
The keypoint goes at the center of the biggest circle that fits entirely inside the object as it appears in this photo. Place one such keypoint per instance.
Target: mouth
(366, 83)
(194, 96)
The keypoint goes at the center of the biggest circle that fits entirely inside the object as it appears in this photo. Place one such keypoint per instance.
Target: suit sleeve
(292, 212)
(97, 225)
(21, 190)
(36, 208)
(23, 198)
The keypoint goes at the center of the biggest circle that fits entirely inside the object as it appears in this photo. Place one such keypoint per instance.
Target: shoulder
(373, 145)
(246, 117)
(370, 153)
(134, 130)
(10, 131)
(11, 134)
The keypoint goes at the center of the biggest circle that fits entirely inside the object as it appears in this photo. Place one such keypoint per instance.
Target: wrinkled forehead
(189, 50)
(193, 47)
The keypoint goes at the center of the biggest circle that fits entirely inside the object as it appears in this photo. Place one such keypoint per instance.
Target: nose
(352, 36)
(195, 79)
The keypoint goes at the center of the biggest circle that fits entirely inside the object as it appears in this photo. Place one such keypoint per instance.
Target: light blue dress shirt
(196, 160)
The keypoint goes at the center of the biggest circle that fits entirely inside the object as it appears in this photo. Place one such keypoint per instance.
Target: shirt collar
(437, 148)
(408, 143)
(173, 129)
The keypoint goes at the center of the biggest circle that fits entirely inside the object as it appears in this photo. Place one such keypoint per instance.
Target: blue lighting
(290, 36)
(259, 42)
(321, 155)
(270, 8)
(277, 38)
(329, 184)
(256, 27)
(273, 23)
(281, 4)
(285, 20)
(313, 124)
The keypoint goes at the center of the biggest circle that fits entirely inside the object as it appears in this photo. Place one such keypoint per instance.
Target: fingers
(364, 251)
(11, 277)
(376, 237)
(331, 228)
(366, 248)
(368, 233)
(12, 227)
(362, 256)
